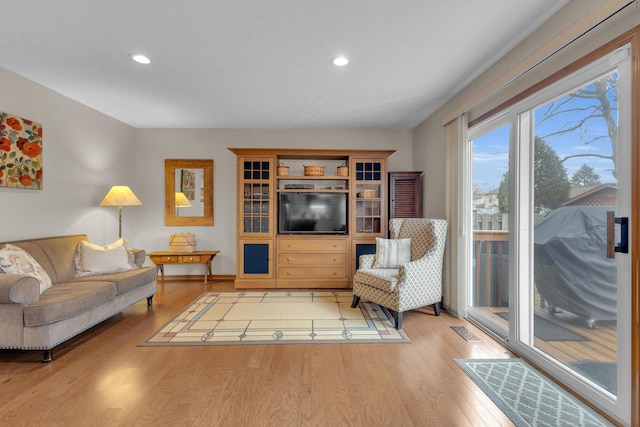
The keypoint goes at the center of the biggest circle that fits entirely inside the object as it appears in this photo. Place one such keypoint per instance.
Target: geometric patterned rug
(526, 396)
(235, 318)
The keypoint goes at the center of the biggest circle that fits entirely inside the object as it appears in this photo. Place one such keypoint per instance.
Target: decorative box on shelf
(182, 243)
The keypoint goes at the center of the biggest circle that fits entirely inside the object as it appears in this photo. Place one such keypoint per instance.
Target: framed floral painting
(20, 152)
(189, 184)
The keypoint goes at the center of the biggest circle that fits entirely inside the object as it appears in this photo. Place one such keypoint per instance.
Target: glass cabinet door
(257, 207)
(369, 207)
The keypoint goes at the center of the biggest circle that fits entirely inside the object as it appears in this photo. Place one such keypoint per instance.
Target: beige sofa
(30, 320)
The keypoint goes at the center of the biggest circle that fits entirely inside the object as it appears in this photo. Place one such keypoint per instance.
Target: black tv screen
(312, 213)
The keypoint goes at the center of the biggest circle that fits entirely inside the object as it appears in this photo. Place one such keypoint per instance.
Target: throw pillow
(391, 253)
(94, 259)
(15, 260)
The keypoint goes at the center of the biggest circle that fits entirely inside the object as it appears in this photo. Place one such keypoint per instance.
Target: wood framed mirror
(188, 186)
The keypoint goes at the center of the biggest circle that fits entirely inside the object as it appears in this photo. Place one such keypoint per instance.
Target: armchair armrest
(19, 289)
(423, 271)
(366, 261)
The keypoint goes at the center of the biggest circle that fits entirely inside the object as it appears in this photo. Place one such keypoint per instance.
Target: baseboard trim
(198, 277)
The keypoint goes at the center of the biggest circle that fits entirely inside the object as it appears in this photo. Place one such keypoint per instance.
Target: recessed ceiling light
(340, 61)
(139, 58)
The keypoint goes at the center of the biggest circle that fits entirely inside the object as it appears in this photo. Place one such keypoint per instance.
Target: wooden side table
(160, 258)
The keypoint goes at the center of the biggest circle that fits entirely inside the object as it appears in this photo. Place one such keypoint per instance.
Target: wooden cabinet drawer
(338, 259)
(306, 272)
(312, 245)
(164, 259)
(186, 259)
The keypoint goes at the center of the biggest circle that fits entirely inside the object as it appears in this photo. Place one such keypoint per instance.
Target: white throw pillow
(391, 253)
(14, 260)
(95, 259)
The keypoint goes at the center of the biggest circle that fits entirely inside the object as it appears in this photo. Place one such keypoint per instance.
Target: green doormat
(526, 396)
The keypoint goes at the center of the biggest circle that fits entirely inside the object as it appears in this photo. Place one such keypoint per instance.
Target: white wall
(153, 146)
(84, 154)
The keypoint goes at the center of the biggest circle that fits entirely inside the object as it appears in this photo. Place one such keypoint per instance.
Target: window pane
(490, 273)
(575, 184)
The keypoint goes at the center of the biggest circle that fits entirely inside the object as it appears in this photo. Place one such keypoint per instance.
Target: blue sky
(491, 151)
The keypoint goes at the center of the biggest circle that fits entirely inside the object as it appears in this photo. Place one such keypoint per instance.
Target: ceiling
(258, 64)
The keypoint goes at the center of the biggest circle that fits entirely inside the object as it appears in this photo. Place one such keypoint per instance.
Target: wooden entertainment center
(322, 252)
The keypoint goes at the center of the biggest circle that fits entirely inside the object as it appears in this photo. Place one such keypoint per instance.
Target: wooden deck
(600, 343)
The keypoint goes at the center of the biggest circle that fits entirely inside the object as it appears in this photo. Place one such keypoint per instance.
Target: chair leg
(436, 308)
(356, 300)
(397, 316)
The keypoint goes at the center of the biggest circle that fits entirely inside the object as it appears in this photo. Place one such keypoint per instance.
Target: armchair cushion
(385, 279)
(390, 253)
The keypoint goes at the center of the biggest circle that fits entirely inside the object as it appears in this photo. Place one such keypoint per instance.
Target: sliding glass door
(488, 295)
(554, 278)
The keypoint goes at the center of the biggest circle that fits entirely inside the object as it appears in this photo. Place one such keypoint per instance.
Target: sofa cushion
(124, 281)
(15, 260)
(385, 279)
(65, 300)
(94, 259)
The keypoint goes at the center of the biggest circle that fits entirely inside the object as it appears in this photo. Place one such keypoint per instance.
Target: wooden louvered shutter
(405, 195)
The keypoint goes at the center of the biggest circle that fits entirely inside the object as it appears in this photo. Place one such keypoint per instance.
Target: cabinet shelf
(309, 190)
(312, 178)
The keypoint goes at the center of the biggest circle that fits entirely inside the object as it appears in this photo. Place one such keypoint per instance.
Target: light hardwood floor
(102, 378)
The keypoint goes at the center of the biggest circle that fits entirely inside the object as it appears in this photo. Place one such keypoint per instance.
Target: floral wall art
(189, 184)
(20, 152)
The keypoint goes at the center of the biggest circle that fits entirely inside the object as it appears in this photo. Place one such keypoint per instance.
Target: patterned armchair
(417, 283)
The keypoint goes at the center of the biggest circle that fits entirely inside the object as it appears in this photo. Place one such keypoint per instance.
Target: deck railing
(490, 268)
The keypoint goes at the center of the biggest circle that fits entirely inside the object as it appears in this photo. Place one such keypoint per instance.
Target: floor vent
(465, 334)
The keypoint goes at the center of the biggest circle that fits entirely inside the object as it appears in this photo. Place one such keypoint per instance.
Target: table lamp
(181, 202)
(120, 195)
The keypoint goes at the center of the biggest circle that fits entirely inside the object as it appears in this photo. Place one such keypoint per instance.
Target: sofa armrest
(140, 256)
(19, 289)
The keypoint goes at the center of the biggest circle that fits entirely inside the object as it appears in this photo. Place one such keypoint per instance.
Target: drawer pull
(190, 259)
(288, 258)
(335, 259)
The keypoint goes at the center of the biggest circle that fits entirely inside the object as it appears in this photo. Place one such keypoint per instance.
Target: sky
(491, 151)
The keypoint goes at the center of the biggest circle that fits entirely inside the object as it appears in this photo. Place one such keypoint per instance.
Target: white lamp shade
(182, 201)
(120, 195)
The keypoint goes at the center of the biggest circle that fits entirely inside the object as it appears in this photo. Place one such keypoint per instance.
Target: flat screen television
(312, 213)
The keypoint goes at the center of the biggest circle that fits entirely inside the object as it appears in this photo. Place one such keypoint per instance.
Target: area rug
(526, 396)
(231, 318)
(549, 331)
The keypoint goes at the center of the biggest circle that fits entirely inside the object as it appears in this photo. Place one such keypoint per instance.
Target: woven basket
(182, 243)
(366, 194)
(343, 171)
(283, 170)
(314, 170)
